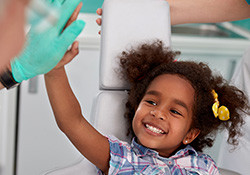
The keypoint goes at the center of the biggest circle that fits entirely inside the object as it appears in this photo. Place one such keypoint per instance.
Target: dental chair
(237, 159)
(108, 108)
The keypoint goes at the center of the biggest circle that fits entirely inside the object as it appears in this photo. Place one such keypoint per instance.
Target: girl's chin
(149, 143)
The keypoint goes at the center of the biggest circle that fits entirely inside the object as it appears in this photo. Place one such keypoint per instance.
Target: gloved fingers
(70, 34)
(42, 20)
(66, 10)
(49, 1)
(54, 3)
(61, 1)
(74, 15)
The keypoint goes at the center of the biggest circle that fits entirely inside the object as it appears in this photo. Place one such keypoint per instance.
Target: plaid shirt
(136, 159)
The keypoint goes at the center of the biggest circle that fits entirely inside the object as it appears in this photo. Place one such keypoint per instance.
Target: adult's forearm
(1, 86)
(207, 11)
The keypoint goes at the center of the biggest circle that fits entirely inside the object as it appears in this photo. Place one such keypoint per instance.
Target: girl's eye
(175, 112)
(151, 102)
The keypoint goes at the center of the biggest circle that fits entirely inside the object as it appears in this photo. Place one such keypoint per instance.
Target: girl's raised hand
(69, 55)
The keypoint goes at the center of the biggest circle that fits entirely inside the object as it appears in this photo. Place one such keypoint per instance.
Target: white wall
(41, 145)
(7, 130)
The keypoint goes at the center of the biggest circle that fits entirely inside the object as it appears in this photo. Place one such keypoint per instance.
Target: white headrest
(108, 114)
(127, 23)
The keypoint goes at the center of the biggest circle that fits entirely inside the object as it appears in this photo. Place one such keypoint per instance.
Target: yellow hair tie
(221, 112)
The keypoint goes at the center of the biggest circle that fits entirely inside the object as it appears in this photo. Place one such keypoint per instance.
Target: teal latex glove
(44, 50)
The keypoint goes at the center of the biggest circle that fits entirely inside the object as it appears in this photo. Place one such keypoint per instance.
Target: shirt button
(170, 162)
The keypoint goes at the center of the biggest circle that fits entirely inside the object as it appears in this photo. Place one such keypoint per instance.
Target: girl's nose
(158, 114)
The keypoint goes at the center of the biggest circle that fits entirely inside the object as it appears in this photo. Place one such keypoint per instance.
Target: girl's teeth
(154, 129)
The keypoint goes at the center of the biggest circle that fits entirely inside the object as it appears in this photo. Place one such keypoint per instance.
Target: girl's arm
(67, 112)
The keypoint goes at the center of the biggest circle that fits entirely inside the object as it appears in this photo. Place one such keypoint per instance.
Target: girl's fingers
(99, 11)
(99, 21)
(69, 55)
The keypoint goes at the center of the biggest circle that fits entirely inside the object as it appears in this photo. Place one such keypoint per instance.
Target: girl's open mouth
(154, 129)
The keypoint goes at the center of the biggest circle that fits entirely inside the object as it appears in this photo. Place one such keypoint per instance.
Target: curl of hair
(143, 64)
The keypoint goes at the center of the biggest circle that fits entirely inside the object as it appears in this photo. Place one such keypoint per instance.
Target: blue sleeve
(248, 1)
(118, 152)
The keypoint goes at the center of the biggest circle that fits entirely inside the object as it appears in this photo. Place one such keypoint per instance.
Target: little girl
(174, 110)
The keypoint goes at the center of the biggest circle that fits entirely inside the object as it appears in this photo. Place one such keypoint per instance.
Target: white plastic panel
(127, 23)
(108, 114)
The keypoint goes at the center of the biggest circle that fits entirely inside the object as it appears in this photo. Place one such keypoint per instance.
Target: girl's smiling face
(163, 118)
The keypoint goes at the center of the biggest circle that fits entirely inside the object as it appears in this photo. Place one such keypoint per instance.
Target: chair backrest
(107, 114)
(228, 172)
(126, 23)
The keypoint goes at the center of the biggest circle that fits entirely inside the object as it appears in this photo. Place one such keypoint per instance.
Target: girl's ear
(191, 135)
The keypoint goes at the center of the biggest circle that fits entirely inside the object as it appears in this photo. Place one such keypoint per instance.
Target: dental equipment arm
(44, 50)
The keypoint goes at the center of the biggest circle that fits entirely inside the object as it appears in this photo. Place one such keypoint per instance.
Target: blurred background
(31, 142)
(90, 6)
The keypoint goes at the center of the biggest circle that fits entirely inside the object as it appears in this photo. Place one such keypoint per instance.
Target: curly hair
(141, 65)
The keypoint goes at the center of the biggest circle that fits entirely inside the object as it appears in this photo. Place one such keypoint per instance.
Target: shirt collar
(142, 151)
(188, 150)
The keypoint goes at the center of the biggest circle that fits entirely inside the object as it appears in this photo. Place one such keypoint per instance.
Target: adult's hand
(44, 50)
